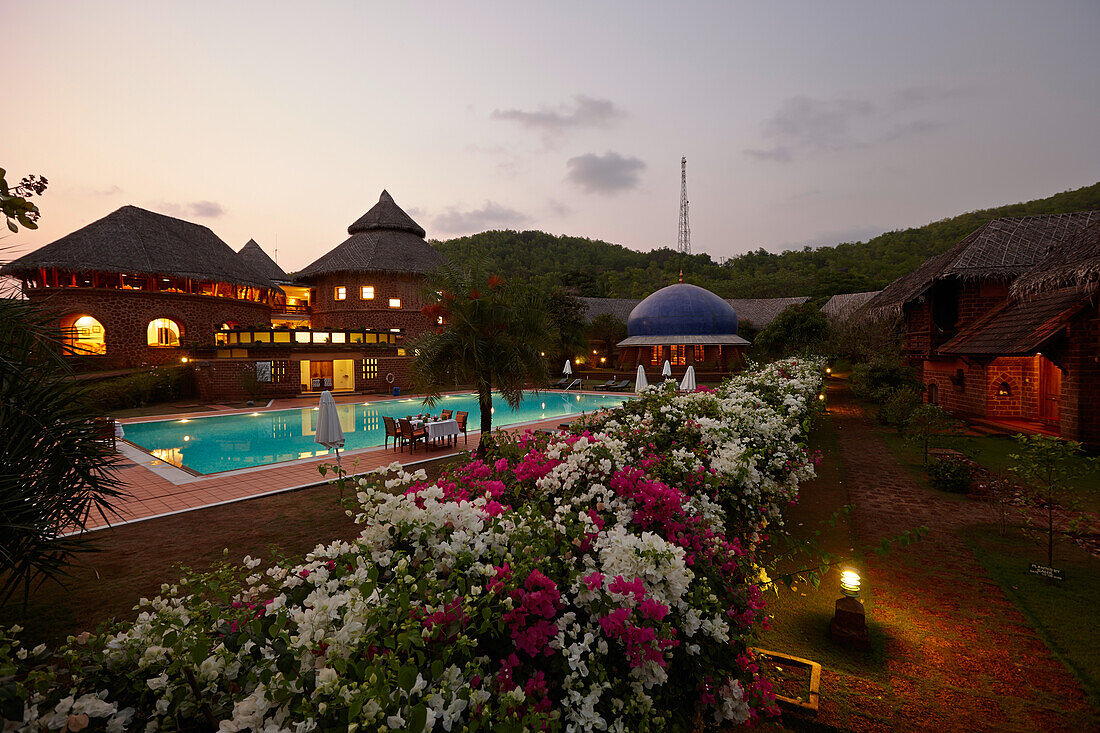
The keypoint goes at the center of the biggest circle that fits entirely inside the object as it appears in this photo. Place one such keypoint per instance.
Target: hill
(600, 269)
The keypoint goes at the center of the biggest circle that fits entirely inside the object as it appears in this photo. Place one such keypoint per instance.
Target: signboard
(1045, 572)
(263, 371)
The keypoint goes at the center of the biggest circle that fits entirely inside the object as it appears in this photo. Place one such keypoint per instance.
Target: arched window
(163, 332)
(933, 394)
(82, 335)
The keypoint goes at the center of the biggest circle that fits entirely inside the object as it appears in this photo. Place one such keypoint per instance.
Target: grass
(993, 451)
(1063, 613)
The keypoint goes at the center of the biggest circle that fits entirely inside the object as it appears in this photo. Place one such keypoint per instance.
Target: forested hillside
(600, 269)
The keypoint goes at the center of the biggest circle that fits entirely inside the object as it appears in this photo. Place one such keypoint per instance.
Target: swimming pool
(226, 442)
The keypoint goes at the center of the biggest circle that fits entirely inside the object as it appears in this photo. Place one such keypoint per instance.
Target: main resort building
(1004, 327)
(137, 288)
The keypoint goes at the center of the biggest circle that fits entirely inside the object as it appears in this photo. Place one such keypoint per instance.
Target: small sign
(1045, 572)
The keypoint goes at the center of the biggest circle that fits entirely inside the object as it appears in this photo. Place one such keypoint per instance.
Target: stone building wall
(125, 316)
(355, 312)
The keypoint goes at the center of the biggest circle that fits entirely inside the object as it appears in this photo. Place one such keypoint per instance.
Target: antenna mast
(683, 243)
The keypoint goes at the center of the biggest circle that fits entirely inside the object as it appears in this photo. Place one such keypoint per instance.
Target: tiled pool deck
(155, 489)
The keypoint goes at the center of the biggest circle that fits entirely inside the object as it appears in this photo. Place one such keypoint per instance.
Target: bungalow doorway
(1050, 390)
(335, 375)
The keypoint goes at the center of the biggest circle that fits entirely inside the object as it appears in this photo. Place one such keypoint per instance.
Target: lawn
(1064, 613)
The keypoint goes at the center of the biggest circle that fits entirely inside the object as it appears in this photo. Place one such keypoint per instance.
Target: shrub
(899, 407)
(880, 379)
(950, 475)
(162, 384)
(604, 580)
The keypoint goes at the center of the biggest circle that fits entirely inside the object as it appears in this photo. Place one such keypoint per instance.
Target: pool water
(226, 442)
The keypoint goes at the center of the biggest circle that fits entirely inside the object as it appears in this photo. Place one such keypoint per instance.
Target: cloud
(552, 121)
(490, 216)
(805, 124)
(197, 209)
(779, 153)
(604, 174)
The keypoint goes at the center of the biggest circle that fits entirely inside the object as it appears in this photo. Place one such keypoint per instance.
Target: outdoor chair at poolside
(409, 436)
(607, 385)
(619, 386)
(560, 384)
(461, 418)
(446, 415)
(391, 431)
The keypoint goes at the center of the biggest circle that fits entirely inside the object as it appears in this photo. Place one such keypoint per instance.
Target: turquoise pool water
(226, 442)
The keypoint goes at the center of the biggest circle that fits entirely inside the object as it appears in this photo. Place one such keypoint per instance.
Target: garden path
(958, 654)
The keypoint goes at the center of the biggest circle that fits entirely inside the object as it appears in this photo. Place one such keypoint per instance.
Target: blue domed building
(685, 324)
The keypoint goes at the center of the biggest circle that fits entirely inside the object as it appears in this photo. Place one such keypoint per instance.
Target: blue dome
(682, 310)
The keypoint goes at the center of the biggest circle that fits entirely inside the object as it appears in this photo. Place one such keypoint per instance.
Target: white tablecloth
(442, 429)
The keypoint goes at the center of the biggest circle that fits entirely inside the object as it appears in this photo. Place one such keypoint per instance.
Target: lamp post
(849, 624)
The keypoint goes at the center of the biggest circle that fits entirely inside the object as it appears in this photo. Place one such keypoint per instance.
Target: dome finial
(681, 274)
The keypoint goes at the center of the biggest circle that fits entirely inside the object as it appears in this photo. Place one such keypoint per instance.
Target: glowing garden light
(849, 583)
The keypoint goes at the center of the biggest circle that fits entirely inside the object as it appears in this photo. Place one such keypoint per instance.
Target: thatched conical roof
(255, 257)
(385, 239)
(1076, 263)
(133, 240)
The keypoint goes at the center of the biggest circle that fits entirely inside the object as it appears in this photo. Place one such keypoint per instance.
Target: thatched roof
(1076, 263)
(1017, 328)
(846, 305)
(757, 311)
(255, 257)
(133, 240)
(1003, 249)
(385, 239)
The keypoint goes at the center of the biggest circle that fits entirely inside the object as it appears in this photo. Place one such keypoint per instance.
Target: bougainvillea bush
(606, 578)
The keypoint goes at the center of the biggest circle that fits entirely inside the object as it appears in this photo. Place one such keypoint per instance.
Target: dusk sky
(803, 122)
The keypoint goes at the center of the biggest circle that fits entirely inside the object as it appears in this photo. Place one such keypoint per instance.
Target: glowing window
(700, 353)
(655, 356)
(395, 302)
(340, 293)
(163, 332)
(82, 335)
(678, 356)
(370, 368)
(366, 292)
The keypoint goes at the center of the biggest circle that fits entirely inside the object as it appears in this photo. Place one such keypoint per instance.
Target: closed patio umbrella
(328, 432)
(640, 382)
(568, 369)
(688, 385)
(666, 370)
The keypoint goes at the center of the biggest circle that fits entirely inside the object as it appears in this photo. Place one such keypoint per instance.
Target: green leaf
(418, 716)
(406, 677)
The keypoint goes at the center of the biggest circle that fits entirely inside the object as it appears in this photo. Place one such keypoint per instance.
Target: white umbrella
(666, 370)
(328, 432)
(688, 385)
(640, 382)
(568, 370)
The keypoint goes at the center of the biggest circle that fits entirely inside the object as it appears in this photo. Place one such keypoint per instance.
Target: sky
(804, 123)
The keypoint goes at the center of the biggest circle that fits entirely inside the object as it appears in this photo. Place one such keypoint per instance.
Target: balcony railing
(302, 337)
(301, 310)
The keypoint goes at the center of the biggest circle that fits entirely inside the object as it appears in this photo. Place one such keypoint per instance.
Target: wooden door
(320, 375)
(1050, 389)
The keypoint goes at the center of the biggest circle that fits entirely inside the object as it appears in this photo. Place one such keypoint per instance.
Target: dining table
(437, 429)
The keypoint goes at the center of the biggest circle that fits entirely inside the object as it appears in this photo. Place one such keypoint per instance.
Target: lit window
(395, 302)
(82, 335)
(655, 356)
(341, 293)
(700, 353)
(163, 332)
(439, 320)
(366, 292)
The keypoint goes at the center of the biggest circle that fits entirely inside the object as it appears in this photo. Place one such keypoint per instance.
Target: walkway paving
(957, 651)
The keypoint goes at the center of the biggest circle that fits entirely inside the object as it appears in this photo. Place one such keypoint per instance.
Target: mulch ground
(955, 652)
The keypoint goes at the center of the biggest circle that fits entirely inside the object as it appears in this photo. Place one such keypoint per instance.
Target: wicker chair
(409, 436)
(391, 431)
(461, 419)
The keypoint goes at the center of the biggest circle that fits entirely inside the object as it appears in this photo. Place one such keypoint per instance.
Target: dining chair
(461, 419)
(391, 431)
(446, 414)
(410, 436)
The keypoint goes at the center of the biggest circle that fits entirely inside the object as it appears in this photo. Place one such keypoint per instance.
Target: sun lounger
(619, 387)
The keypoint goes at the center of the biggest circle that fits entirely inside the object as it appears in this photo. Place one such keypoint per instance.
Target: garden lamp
(849, 624)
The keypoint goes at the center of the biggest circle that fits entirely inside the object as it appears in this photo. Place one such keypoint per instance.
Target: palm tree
(492, 334)
(55, 468)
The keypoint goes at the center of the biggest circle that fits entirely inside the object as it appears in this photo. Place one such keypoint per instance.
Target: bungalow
(1004, 326)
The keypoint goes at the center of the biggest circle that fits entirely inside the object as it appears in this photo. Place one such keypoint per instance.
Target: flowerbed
(608, 579)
